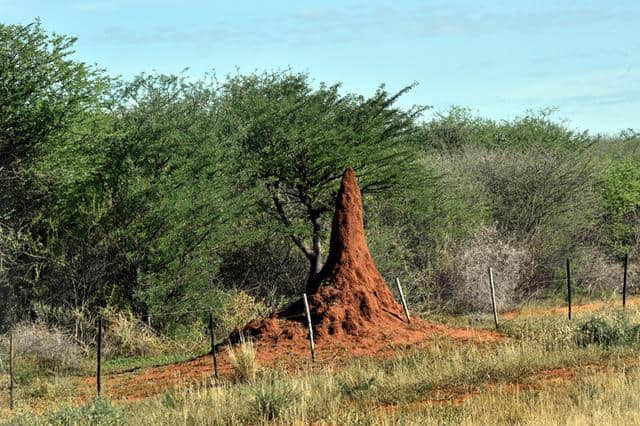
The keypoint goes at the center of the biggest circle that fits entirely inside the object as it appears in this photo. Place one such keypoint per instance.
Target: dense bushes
(163, 196)
(620, 194)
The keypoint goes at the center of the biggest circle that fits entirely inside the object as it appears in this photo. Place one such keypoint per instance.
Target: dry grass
(239, 309)
(539, 376)
(243, 359)
(126, 335)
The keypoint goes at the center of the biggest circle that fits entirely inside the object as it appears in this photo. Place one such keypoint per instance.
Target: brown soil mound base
(351, 305)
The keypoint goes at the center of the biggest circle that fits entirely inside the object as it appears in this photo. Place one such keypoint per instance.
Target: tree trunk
(315, 266)
(313, 252)
(316, 258)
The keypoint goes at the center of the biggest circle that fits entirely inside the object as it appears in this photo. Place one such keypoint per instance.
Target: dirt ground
(294, 355)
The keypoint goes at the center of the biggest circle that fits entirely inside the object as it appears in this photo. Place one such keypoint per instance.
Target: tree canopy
(293, 141)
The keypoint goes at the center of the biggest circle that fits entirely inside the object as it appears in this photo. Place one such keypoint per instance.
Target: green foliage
(270, 260)
(42, 91)
(608, 331)
(293, 142)
(456, 129)
(236, 310)
(619, 188)
(160, 195)
(530, 190)
(145, 203)
(459, 128)
(43, 96)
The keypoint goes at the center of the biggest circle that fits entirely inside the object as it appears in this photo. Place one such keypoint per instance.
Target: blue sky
(498, 58)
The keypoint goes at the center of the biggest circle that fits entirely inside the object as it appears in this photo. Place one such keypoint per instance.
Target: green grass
(121, 364)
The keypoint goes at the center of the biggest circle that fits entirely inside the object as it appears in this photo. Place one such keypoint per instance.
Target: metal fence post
(493, 297)
(624, 280)
(569, 287)
(11, 370)
(311, 342)
(99, 356)
(404, 301)
(212, 331)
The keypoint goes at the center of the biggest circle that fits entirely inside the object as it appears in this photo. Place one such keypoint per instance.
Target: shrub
(597, 273)
(269, 268)
(413, 233)
(608, 331)
(50, 348)
(619, 189)
(126, 335)
(466, 282)
(538, 188)
(238, 309)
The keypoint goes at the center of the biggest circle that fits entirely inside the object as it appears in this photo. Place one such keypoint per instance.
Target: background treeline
(163, 195)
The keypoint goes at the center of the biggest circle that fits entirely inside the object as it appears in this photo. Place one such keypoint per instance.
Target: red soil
(289, 354)
(562, 310)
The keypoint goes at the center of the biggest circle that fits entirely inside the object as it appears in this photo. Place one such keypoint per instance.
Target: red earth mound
(350, 303)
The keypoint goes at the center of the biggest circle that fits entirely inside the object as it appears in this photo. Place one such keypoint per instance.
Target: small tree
(293, 142)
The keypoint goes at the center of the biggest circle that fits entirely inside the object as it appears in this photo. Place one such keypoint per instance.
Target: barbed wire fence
(7, 360)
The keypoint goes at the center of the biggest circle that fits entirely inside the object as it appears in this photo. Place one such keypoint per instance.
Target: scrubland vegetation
(153, 200)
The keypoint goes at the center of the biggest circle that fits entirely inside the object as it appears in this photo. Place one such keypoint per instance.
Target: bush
(597, 273)
(608, 331)
(50, 348)
(619, 189)
(465, 284)
(269, 268)
(126, 335)
(539, 188)
(237, 310)
(458, 128)
(412, 233)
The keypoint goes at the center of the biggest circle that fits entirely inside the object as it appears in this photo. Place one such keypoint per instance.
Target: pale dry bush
(467, 286)
(126, 335)
(597, 273)
(238, 310)
(633, 278)
(49, 348)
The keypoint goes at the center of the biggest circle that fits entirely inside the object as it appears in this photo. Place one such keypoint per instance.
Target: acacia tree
(293, 141)
(43, 94)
